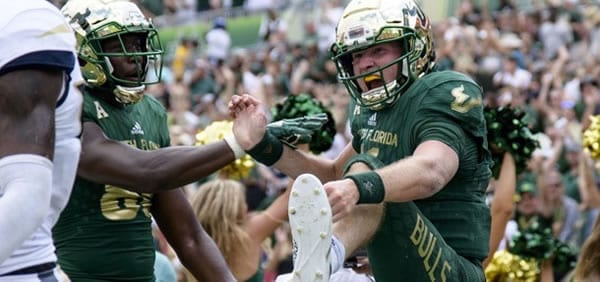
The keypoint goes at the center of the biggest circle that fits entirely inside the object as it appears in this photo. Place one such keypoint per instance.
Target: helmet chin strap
(129, 95)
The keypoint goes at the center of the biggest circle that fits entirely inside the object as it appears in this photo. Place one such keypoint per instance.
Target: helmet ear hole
(346, 62)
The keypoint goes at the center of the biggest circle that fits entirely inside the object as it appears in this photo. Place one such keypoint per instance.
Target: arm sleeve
(25, 191)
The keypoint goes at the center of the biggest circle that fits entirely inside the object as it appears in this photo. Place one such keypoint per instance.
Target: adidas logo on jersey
(372, 120)
(137, 129)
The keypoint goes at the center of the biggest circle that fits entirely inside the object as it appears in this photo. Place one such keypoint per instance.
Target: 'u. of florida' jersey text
(105, 231)
(447, 107)
(46, 42)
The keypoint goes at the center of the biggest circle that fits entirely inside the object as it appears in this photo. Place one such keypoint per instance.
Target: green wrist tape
(372, 162)
(268, 150)
(370, 187)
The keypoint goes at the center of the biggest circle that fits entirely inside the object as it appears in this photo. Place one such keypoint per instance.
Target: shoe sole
(310, 222)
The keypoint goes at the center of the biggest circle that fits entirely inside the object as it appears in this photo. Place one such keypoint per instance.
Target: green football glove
(295, 131)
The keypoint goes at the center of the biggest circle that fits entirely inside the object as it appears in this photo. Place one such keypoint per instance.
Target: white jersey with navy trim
(46, 41)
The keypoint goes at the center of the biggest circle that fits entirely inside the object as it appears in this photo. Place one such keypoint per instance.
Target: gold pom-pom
(216, 131)
(591, 138)
(506, 267)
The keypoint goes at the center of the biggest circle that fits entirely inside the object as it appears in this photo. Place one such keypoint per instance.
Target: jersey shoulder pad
(450, 92)
(455, 98)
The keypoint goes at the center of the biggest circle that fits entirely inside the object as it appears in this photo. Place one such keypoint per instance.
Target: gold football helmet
(366, 23)
(96, 20)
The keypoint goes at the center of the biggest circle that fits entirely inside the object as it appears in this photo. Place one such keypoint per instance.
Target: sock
(337, 253)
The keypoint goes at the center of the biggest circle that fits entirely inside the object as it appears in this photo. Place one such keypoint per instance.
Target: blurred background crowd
(542, 56)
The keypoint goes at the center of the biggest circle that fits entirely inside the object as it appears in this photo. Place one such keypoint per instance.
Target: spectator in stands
(183, 57)
(218, 42)
(220, 206)
(271, 24)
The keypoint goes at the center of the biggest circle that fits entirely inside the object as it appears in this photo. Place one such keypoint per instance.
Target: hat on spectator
(527, 187)
(220, 22)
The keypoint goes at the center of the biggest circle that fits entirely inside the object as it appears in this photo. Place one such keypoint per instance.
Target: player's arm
(196, 250)
(426, 172)
(296, 162)
(107, 161)
(250, 132)
(27, 106)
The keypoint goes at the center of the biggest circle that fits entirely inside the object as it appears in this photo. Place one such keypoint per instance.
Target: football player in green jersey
(411, 184)
(126, 176)
(105, 232)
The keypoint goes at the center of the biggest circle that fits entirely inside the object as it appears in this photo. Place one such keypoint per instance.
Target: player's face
(130, 68)
(373, 58)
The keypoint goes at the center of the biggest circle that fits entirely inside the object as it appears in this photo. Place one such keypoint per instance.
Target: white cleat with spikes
(310, 221)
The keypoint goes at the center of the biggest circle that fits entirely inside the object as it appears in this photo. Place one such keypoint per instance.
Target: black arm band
(268, 151)
(370, 187)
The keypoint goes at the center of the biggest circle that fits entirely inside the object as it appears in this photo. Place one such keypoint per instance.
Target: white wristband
(238, 152)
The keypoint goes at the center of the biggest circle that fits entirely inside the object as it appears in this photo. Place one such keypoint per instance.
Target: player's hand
(343, 196)
(297, 130)
(249, 120)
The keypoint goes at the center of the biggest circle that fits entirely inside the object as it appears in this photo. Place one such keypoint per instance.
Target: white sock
(337, 253)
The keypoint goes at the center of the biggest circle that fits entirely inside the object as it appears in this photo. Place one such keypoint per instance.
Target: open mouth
(373, 81)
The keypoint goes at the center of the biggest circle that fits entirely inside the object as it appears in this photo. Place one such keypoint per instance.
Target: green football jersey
(105, 232)
(444, 106)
